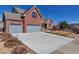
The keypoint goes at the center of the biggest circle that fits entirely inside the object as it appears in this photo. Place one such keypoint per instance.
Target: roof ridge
(20, 10)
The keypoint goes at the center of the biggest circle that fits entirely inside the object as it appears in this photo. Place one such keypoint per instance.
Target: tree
(63, 25)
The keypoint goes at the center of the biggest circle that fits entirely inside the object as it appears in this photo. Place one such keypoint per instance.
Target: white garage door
(15, 28)
(31, 28)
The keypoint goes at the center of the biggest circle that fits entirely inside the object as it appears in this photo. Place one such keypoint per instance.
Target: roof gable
(34, 7)
(49, 21)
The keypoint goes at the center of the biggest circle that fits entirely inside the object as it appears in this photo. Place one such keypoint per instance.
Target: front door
(44, 26)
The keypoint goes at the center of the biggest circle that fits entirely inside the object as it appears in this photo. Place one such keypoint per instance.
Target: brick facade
(29, 20)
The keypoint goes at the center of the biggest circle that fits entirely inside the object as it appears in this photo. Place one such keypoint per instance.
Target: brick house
(20, 20)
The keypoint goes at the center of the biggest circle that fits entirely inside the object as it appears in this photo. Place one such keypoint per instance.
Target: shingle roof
(16, 16)
(19, 10)
(12, 16)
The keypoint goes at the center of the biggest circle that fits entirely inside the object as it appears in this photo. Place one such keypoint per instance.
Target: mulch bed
(5, 36)
(19, 50)
(10, 43)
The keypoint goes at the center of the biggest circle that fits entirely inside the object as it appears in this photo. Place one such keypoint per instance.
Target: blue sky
(55, 12)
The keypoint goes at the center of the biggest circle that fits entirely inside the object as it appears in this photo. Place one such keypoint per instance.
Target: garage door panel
(15, 29)
(31, 28)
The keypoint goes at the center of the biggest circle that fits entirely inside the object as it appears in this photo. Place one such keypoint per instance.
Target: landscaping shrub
(19, 50)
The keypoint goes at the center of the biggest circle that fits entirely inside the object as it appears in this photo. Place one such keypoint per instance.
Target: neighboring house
(47, 24)
(20, 20)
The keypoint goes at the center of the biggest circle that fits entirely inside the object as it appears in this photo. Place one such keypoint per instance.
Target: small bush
(19, 50)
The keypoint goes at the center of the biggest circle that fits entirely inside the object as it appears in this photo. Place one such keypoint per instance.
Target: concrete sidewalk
(43, 43)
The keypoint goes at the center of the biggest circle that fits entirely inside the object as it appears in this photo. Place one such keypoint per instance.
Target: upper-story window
(34, 15)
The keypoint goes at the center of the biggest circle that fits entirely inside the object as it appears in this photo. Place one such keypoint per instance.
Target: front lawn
(59, 32)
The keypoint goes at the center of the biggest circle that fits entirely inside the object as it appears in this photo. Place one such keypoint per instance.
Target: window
(34, 14)
(22, 17)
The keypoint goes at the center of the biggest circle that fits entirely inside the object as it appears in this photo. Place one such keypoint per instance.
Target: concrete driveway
(43, 43)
